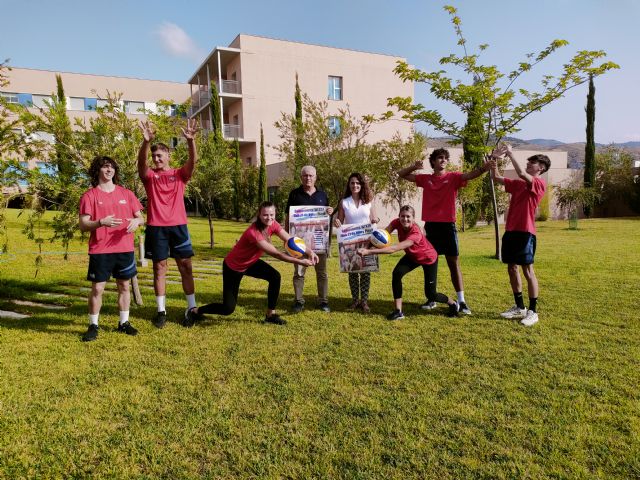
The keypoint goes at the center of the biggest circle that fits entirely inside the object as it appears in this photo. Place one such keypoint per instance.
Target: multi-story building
(255, 78)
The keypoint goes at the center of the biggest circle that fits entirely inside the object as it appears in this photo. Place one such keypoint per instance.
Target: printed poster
(310, 223)
(350, 239)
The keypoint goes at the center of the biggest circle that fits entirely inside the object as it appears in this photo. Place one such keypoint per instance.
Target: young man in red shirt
(519, 239)
(166, 233)
(111, 213)
(439, 212)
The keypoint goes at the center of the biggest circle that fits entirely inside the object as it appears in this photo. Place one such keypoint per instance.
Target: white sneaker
(514, 312)
(530, 319)
(428, 306)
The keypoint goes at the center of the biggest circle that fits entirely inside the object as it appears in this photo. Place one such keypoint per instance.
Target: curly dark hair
(97, 164)
(366, 195)
(436, 153)
(542, 159)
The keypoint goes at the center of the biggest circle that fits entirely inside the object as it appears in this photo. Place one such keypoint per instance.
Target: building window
(90, 104)
(41, 101)
(335, 88)
(23, 182)
(102, 103)
(133, 107)
(46, 168)
(25, 99)
(76, 103)
(9, 97)
(334, 126)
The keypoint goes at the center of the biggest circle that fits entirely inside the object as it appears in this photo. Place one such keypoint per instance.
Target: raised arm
(189, 133)
(148, 134)
(505, 149)
(407, 172)
(485, 167)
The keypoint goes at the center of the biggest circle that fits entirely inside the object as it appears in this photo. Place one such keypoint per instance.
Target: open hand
(190, 130)
(110, 221)
(148, 130)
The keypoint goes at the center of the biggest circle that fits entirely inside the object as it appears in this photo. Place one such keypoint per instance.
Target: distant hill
(544, 142)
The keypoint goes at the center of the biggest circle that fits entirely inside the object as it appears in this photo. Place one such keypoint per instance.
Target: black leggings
(406, 265)
(231, 286)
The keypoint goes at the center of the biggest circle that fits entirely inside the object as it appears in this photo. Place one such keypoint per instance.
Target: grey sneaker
(127, 328)
(531, 318)
(514, 312)
(464, 309)
(428, 306)
(297, 307)
(91, 334)
(324, 307)
(395, 315)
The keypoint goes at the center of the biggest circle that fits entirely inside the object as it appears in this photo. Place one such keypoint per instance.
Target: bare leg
(124, 295)
(95, 297)
(456, 272)
(159, 277)
(186, 273)
(532, 280)
(514, 278)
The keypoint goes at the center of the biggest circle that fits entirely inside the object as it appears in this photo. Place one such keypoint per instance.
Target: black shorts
(518, 248)
(443, 236)
(102, 266)
(161, 243)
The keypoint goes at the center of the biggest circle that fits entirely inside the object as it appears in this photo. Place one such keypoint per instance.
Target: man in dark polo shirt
(308, 194)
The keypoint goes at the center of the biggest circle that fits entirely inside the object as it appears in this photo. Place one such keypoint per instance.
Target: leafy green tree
(572, 196)
(590, 146)
(249, 189)
(262, 177)
(335, 153)
(211, 182)
(614, 179)
(394, 155)
(490, 94)
(237, 179)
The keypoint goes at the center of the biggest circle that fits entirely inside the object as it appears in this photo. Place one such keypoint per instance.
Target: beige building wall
(266, 69)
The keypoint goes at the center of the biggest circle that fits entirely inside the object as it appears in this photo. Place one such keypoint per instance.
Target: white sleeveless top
(353, 214)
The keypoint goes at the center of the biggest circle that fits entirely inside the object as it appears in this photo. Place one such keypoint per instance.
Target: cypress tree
(590, 146)
(262, 177)
(216, 114)
(236, 180)
(300, 150)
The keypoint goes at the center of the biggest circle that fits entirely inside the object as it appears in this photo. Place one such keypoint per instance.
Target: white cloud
(176, 42)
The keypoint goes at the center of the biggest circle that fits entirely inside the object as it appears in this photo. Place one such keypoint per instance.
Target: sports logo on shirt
(122, 202)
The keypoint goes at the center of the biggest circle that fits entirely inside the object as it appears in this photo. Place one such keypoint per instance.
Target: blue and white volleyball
(380, 238)
(295, 247)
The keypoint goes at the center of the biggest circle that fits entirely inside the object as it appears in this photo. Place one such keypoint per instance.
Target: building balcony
(232, 131)
(231, 86)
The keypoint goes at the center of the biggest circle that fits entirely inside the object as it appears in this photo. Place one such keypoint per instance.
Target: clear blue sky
(132, 39)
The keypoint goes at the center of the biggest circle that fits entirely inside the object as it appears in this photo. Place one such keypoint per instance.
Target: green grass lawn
(336, 395)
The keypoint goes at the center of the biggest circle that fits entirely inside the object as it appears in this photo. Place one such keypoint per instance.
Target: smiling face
(160, 158)
(406, 219)
(354, 185)
(268, 215)
(308, 177)
(439, 163)
(534, 168)
(107, 172)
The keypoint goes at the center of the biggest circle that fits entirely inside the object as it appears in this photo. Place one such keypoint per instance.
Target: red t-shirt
(439, 196)
(246, 251)
(525, 198)
(165, 197)
(121, 203)
(421, 252)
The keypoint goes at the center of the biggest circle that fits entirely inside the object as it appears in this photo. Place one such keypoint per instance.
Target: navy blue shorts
(102, 266)
(161, 243)
(518, 248)
(443, 236)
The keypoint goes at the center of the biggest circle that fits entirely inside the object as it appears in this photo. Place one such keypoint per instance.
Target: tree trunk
(211, 242)
(137, 297)
(492, 190)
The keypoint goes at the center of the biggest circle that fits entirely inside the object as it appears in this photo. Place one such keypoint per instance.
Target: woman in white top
(357, 207)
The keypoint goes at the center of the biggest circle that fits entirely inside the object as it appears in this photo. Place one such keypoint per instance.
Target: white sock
(191, 301)
(160, 302)
(124, 316)
(460, 296)
(93, 318)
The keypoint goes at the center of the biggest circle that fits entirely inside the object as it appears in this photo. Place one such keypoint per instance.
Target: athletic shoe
(275, 319)
(160, 320)
(127, 328)
(297, 307)
(395, 315)
(197, 317)
(355, 304)
(453, 310)
(530, 318)
(464, 309)
(189, 318)
(324, 307)
(365, 306)
(514, 312)
(428, 306)
(91, 334)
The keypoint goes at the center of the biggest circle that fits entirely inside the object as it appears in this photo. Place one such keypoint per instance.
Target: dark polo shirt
(299, 197)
